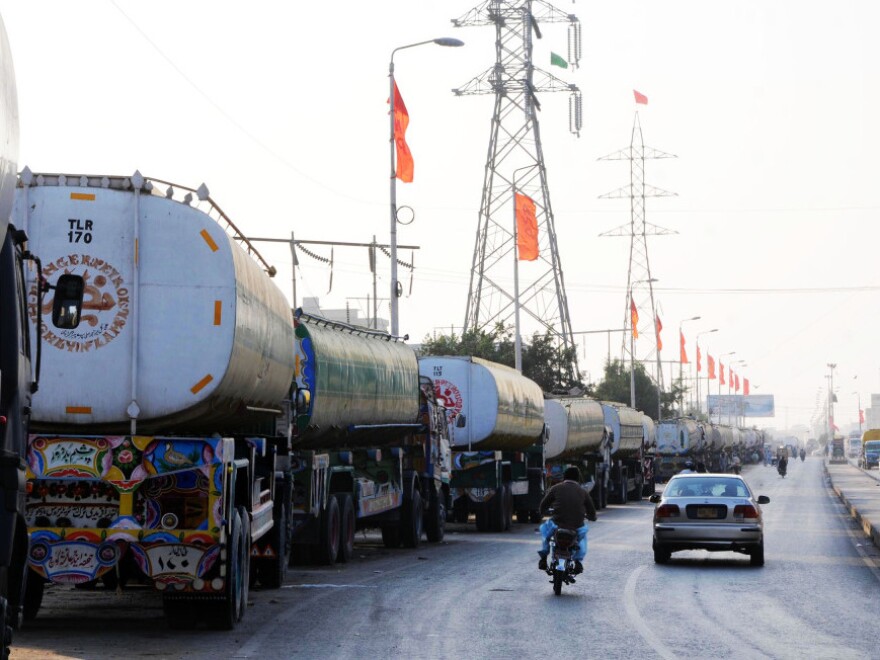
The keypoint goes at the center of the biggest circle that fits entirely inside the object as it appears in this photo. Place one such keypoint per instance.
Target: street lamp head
(695, 318)
(448, 41)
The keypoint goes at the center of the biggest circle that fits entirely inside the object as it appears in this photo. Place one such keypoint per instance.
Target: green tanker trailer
(370, 443)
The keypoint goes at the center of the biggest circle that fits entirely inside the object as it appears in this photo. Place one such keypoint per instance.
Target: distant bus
(854, 445)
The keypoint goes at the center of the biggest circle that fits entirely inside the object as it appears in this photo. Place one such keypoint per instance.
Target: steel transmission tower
(639, 281)
(515, 161)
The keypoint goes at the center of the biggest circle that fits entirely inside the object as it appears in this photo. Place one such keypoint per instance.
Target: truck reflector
(198, 387)
(218, 310)
(83, 197)
(79, 410)
(209, 240)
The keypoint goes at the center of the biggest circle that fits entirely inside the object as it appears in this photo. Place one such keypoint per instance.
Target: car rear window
(708, 486)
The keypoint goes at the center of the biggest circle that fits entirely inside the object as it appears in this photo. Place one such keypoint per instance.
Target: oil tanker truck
(155, 450)
(577, 436)
(630, 473)
(496, 417)
(677, 441)
(16, 380)
(371, 447)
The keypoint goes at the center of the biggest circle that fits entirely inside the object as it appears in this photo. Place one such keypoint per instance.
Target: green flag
(558, 60)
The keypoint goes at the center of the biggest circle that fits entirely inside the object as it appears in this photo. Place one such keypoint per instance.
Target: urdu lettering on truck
(158, 446)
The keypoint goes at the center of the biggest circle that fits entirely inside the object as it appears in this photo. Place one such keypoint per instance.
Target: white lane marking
(328, 586)
(632, 611)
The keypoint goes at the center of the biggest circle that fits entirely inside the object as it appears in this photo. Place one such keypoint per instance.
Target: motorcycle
(560, 564)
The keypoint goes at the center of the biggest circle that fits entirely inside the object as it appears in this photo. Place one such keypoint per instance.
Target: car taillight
(742, 511)
(666, 511)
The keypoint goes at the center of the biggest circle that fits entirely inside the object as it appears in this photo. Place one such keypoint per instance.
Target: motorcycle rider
(570, 503)
(803, 454)
(782, 466)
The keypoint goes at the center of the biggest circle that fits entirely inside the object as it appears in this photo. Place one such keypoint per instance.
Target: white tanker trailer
(678, 440)
(497, 420)
(577, 435)
(370, 442)
(631, 474)
(168, 356)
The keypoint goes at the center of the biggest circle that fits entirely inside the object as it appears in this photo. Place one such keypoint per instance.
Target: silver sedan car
(714, 512)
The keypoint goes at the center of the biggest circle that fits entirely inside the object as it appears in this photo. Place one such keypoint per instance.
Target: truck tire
(496, 507)
(636, 494)
(328, 544)
(223, 615)
(346, 527)
(33, 595)
(411, 517)
(435, 517)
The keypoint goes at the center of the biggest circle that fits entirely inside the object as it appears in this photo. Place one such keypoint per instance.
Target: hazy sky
(280, 108)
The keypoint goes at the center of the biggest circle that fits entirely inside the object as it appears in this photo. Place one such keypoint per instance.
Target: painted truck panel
(503, 409)
(213, 332)
(575, 427)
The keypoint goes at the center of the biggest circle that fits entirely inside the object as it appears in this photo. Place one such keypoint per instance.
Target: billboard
(735, 405)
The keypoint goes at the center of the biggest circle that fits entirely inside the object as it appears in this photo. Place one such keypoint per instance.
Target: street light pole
(720, 366)
(680, 365)
(395, 288)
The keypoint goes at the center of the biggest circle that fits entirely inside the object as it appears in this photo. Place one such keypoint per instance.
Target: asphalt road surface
(481, 596)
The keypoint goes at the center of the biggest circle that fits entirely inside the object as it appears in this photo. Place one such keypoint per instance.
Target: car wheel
(661, 554)
(757, 555)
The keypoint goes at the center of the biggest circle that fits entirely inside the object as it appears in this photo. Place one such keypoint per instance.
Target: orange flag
(634, 318)
(711, 367)
(640, 98)
(736, 388)
(659, 328)
(699, 360)
(526, 228)
(746, 386)
(721, 373)
(401, 121)
(682, 356)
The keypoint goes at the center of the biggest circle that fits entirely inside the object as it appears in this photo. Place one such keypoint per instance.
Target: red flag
(682, 355)
(711, 367)
(640, 98)
(833, 425)
(861, 416)
(699, 360)
(659, 328)
(730, 376)
(721, 373)
(736, 388)
(526, 228)
(634, 318)
(746, 386)
(401, 121)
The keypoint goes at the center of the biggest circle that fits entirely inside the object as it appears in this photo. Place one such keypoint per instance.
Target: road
(481, 595)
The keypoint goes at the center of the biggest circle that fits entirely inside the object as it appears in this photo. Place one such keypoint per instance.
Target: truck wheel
(435, 517)
(33, 595)
(636, 495)
(508, 507)
(328, 546)
(411, 516)
(346, 527)
(225, 614)
(497, 509)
